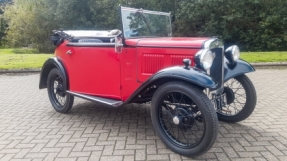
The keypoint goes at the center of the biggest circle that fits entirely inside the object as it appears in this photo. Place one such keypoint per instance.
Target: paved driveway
(31, 130)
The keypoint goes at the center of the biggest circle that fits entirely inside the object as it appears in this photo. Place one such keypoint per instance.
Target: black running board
(107, 101)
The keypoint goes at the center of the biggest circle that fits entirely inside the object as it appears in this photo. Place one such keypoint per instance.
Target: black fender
(240, 67)
(190, 75)
(47, 67)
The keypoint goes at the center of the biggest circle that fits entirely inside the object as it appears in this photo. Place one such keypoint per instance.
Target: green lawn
(256, 57)
(25, 58)
(21, 58)
(17, 51)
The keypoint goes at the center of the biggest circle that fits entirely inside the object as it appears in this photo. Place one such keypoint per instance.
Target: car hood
(178, 42)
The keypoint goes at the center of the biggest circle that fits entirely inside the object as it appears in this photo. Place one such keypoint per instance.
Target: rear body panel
(92, 70)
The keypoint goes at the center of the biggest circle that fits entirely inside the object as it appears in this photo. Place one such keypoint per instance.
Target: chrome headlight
(232, 54)
(204, 58)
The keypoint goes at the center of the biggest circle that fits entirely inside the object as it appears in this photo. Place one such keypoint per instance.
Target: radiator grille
(177, 59)
(152, 63)
(216, 70)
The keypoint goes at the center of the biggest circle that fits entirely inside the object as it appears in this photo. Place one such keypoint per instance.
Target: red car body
(190, 82)
(100, 71)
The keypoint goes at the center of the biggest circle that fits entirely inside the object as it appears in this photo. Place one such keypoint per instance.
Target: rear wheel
(60, 100)
(241, 99)
(184, 119)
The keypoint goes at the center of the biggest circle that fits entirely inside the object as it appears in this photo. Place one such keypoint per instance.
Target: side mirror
(118, 44)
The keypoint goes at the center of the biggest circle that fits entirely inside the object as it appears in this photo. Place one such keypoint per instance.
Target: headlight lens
(205, 58)
(232, 53)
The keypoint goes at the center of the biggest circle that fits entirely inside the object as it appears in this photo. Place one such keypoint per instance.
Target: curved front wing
(241, 67)
(188, 75)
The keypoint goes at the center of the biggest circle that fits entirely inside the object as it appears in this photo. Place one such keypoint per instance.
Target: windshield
(144, 23)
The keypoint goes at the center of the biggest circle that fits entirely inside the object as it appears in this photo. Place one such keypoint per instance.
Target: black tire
(60, 100)
(193, 108)
(241, 103)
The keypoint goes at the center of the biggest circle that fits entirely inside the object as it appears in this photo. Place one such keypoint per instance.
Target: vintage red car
(142, 63)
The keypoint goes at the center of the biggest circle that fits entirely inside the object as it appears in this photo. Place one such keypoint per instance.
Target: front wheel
(184, 118)
(60, 100)
(241, 99)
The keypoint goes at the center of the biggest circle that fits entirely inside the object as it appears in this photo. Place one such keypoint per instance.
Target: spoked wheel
(184, 119)
(241, 99)
(60, 100)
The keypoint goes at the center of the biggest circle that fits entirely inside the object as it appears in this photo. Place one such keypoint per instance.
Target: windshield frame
(144, 12)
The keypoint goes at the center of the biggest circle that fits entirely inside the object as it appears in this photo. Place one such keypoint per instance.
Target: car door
(94, 70)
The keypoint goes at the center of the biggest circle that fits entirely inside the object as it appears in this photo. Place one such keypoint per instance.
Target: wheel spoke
(57, 93)
(239, 98)
(187, 133)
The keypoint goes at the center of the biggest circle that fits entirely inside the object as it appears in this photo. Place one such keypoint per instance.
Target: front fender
(241, 67)
(191, 75)
(47, 67)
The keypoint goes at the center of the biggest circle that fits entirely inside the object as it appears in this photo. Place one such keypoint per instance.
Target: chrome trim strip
(111, 102)
(91, 44)
(146, 11)
(213, 43)
(158, 46)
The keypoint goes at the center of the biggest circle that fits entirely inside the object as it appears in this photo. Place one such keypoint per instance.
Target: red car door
(94, 70)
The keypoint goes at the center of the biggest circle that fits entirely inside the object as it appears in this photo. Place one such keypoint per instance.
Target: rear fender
(240, 67)
(190, 75)
(47, 67)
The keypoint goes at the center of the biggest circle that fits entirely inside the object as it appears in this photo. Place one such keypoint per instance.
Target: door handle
(69, 52)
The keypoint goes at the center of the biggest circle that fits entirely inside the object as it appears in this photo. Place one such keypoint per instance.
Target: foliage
(31, 21)
(3, 23)
(254, 25)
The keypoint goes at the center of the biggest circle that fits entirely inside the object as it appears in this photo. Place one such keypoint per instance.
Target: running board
(107, 101)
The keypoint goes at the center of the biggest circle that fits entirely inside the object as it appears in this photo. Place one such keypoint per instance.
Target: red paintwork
(92, 70)
(168, 42)
(101, 72)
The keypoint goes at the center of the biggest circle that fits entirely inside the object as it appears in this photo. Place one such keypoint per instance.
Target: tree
(3, 23)
(259, 26)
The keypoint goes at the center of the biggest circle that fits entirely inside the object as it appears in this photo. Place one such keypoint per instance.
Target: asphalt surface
(31, 130)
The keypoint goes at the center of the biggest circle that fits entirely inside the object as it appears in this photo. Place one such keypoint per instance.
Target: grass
(256, 57)
(21, 58)
(18, 51)
(26, 58)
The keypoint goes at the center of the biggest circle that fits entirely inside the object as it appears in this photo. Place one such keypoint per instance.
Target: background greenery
(254, 25)
(21, 58)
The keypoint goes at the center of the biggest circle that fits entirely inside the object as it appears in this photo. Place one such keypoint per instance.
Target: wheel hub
(60, 90)
(183, 117)
(229, 95)
(175, 120)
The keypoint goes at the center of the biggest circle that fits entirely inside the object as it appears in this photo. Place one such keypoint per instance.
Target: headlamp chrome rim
(204, 58)
(232, 54)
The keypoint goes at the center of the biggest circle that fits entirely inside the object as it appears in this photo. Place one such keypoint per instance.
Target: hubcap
(175, 120)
